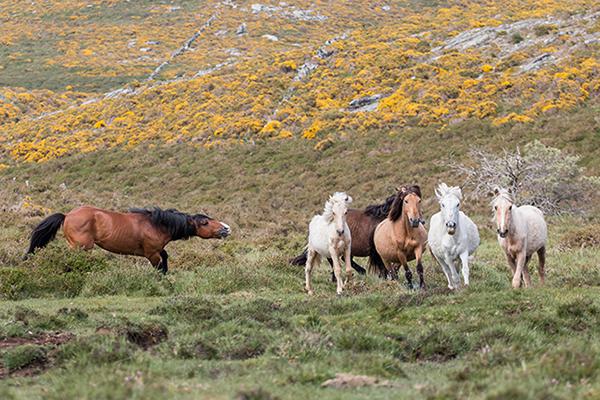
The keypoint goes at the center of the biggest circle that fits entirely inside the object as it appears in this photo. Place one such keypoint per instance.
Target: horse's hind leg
(311, 258)
(542, 264)
(526, 276)
(357, 267)
(164, 267)
(330, 261)
(464, 260)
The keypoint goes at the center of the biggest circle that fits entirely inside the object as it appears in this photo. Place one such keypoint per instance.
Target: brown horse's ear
(401, 189)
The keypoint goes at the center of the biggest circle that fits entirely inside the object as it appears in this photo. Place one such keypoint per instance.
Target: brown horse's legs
(420, 272)
(155, 259)
(542, 264)
(164, 267)
(330, 261)
(408, 276)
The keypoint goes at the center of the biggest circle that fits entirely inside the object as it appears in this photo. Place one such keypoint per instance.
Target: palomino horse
(522, 231)
(362, 224)
(140, 232)
(329, 236)
(401, 237)
(452, 235)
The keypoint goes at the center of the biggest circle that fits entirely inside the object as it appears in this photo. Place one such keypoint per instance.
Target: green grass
(230, 320)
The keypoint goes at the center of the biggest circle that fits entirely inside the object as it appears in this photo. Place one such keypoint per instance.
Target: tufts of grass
(24, 356)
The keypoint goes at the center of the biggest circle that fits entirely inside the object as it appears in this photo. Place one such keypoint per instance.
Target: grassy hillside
(245, 111)
(231, 319)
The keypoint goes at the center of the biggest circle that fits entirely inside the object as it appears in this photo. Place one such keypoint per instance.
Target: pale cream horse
(522, 231)
(329, 237)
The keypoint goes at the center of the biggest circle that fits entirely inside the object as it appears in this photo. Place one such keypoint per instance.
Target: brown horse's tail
(301, 259)
(45, 232)
(376, 264)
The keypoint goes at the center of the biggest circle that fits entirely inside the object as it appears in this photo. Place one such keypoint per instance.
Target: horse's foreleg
(164, 266)
(337, 269)
(418, 257)
(542, 264)
(155, 260)
(446, 270)
(310, 261)
(464, 260)
(348, 261)
(453, 273)
(330, 261)
(407, 271)
(520, 263)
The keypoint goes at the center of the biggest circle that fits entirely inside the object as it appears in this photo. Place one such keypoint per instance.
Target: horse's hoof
(338, 294)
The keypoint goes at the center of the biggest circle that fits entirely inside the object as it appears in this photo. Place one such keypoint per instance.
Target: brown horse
(362, 224)
(401, 237)
(140, 232)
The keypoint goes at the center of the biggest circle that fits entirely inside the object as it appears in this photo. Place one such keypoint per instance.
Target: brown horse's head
(208, 228)
(408, 201)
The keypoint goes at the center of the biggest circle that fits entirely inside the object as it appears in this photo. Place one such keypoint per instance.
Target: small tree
(542, 176)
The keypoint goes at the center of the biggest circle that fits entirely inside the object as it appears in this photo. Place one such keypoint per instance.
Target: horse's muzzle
(340, 232)
(502, 234)
(224, 232)
(414, 223)
(451, 228)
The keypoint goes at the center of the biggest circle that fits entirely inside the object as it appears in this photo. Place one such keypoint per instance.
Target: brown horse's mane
(178, 224)
(380, 211)
(396, 209)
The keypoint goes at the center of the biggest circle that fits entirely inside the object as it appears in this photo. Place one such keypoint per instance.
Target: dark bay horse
(362, 224)
(401, 237)
(139, 232)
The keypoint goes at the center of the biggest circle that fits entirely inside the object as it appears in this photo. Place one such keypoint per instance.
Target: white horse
(329, 237)
(522, 231)
(452, 235)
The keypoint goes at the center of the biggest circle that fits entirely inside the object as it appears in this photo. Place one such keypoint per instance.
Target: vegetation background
(361, 97)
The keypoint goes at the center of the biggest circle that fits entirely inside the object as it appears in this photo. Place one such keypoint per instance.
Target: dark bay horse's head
(209, 228)
(408, 202)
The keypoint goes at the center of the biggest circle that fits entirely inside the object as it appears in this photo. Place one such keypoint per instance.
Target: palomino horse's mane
(444, 190)
(178, 224)
(380, 211)
(396, 209)
(338, 197)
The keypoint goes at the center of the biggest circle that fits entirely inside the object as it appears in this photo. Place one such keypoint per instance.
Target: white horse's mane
(444, 190)
(338, 197)
(502, 193)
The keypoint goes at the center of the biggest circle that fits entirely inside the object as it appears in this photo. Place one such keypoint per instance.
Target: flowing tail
(301, 259)
(376, 264)
(45, 231)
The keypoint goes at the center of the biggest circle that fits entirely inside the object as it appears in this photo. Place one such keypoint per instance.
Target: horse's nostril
(340, 232)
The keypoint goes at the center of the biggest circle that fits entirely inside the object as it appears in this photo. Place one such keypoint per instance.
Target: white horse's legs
(337, 269)
(454, 275)
(520, 263)
(312, 257)
(446, 271)
(348, 258)
(464, 260)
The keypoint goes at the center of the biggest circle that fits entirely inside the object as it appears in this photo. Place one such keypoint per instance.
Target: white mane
(444, 190)
(504, 194)
(338, 197)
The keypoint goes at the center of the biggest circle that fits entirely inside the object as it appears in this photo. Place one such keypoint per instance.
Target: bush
(543, 176)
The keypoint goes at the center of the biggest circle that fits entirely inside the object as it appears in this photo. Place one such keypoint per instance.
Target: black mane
(396, 209)
(179, 225)
(380, 211)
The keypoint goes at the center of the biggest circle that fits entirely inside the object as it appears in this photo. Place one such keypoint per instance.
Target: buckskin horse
(139, 232)
(401, 237)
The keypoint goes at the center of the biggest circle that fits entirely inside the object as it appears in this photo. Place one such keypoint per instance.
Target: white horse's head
(503, 206)
(336, 209)
(449, 198)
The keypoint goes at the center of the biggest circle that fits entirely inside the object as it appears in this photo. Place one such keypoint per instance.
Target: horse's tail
(45, 231)
(301, 259)
(376, 264)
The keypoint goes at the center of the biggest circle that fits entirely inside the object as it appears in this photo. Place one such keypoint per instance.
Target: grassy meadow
(231, 320)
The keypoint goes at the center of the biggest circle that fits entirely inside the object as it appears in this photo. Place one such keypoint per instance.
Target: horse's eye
(510, 207)
(346, 213)
(458, 205)
(496, 208)
(443, 205)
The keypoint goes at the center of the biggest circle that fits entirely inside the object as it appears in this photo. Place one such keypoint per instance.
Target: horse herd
(391, 234)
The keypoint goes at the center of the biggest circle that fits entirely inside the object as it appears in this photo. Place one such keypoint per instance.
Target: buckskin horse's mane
(396, 209)
(178, 224)
(380, 211)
